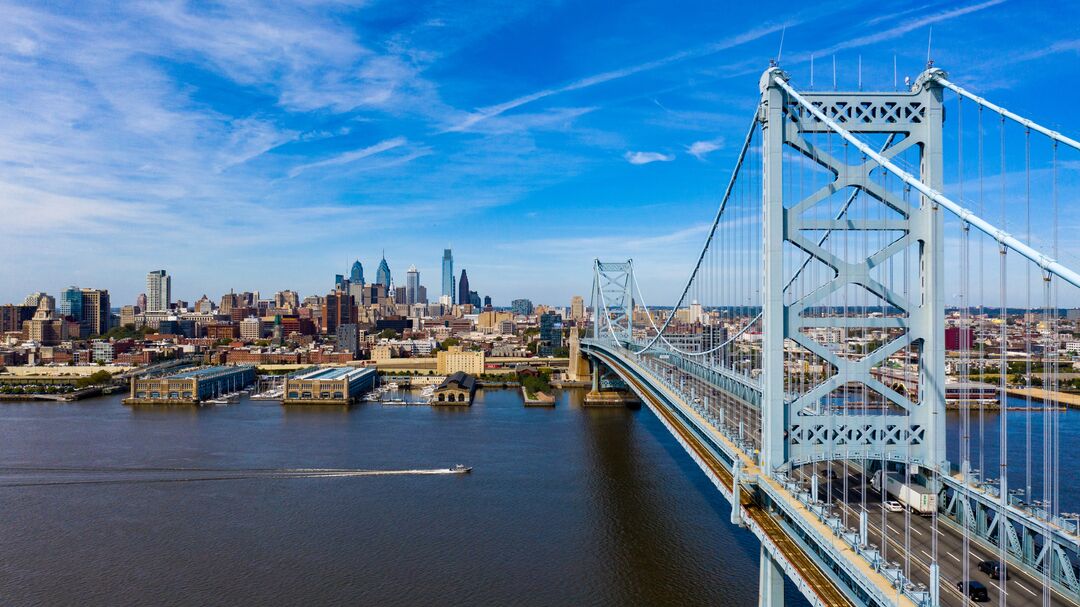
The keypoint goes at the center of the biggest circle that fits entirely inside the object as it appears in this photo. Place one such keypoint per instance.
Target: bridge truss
(811, 332)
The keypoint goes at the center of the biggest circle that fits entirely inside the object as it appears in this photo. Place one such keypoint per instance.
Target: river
(565, 506)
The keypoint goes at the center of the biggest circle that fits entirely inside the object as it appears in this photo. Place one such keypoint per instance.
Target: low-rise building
(329, 385)
(457, 389)
(190, 386)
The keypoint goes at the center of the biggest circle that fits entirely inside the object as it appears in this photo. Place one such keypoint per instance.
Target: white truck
(918, 499)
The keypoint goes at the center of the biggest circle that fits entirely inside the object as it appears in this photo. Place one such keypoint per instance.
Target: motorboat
(461, 469)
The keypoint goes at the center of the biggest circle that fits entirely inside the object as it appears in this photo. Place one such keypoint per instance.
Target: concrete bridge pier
(598, 396)
(771, 580)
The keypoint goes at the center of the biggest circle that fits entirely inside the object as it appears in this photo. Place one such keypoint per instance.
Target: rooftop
(204, 372)
(331, 373)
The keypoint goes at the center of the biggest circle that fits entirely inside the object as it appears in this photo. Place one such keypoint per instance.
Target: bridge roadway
(805, 569)
(1023, 589)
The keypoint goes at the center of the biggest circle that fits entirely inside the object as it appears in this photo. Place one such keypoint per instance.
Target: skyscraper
(382, 275)
(71, 302)
(577, 308)
(158, 291)
(412, 285)
(95, 312)
(448, 273)
(463, 288)
(356, 276)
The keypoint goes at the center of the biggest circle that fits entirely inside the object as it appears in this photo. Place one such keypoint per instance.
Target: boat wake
(28, 476)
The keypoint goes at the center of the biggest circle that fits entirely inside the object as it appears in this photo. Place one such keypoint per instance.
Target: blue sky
(258, 147)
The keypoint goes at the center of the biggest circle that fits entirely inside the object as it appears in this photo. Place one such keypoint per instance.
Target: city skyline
(371, 132)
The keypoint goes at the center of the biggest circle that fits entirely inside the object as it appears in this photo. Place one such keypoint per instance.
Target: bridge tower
(801, 428)
(613, 294)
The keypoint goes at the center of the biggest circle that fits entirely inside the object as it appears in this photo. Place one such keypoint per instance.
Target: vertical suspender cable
(1028, 315)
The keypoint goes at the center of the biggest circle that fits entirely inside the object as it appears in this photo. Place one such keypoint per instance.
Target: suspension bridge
(877, 258)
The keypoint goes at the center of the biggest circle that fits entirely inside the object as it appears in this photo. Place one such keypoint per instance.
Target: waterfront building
(448, 274)
(455, 359)
(158, 291)
(140, 301)
(463, 288)
(457, 389)
(521, 307)
(382, 275)
(329, 385)
(190, 386)
(356, 275)
(412, 286)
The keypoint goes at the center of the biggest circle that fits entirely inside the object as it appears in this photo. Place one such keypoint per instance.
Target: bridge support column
(736, 493)
(771, 581)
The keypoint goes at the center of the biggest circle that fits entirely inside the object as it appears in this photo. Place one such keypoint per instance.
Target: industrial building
(190, 386)
(329, 385)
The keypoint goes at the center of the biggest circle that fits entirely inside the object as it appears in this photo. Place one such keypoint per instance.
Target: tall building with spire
(382, 275)
(463, 288)
(448, 274)
(412, 286)
(356, 276)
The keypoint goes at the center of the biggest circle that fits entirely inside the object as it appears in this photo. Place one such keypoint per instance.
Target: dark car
(973, 590)
(993, 569)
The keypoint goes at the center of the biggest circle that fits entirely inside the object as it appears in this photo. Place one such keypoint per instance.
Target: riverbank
(1063, 399)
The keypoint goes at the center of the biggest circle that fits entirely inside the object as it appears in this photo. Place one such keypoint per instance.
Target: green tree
(94, 379)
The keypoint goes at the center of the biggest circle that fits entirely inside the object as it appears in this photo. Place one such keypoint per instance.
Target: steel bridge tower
(798, 429)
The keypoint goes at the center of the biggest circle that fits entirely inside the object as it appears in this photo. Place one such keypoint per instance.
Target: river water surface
(565, 506)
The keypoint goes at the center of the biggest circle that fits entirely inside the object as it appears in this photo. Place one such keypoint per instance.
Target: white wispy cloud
(905, 27)
(603, 77)
(700, 149)
(352, 156)
(647, 157)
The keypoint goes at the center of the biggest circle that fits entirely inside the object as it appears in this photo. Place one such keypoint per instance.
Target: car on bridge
(993, 569)
(974, 591)
(893, 506)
